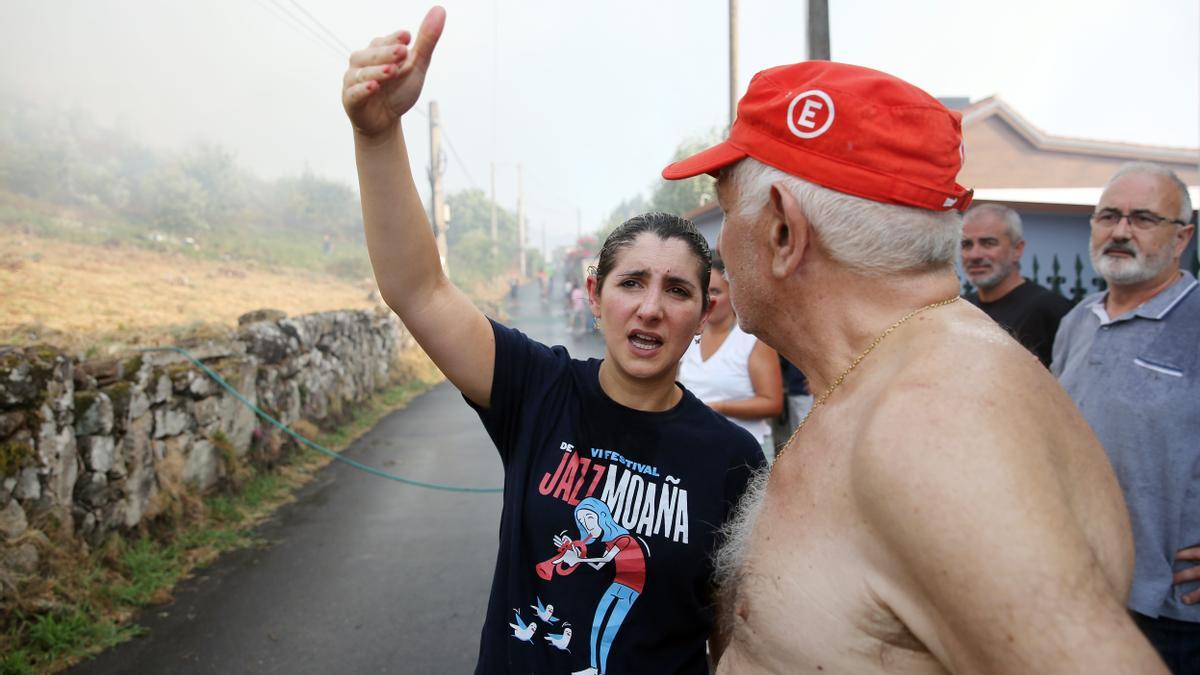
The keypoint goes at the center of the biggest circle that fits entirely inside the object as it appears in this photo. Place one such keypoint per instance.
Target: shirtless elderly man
(944, 508)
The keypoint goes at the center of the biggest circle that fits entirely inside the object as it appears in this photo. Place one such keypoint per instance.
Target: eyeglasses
(1140, 218)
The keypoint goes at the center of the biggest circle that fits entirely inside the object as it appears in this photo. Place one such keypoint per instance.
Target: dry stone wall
(105, 440)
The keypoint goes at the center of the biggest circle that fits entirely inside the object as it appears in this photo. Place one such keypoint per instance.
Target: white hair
(735, 533)
(1185, 200)
(869, 237)
(1012, 219)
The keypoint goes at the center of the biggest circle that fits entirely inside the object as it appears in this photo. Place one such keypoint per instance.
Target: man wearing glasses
(1130, 357)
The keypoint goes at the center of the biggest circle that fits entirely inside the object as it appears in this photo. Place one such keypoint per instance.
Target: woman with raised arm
(660, 471)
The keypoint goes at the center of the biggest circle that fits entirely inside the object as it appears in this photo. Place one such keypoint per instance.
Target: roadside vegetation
(90, 599)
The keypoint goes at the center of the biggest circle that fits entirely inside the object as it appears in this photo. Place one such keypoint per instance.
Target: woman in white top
(732, 371)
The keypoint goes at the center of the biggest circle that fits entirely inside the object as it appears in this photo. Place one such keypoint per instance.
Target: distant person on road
(992, 244)
(578, 316)
(731, 370)
(618, 430)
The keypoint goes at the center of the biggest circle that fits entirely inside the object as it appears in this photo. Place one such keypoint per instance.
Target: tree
(174, 201)
(677, 196)
(215, 169)
(315, 205)
(469, 238)
(681, 196)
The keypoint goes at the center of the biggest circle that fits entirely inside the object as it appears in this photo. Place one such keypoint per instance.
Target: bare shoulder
(971, 413)
(989, 504)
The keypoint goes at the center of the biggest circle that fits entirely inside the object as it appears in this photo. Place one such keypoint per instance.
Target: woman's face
(650, 306)
(718, 290)
(590, 522)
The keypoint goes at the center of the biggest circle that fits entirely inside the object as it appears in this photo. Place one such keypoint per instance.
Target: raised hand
(385, 79)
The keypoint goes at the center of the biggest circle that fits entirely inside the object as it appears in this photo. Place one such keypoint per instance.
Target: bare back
(948, 510)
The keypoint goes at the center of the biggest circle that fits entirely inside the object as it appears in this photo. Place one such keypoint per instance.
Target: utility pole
(521, 219)
(733, 62)
(437, 166)
(818, 30)
(494, 238)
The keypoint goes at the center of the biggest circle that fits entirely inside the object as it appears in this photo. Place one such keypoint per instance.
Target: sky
(591, 99)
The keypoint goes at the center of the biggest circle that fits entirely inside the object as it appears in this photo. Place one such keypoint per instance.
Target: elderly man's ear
(790, 233)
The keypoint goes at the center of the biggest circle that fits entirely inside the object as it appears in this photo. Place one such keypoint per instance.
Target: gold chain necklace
(854, 364)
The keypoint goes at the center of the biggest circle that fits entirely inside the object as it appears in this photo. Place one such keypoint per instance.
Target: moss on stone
(131, 366)
(46, 353)
(120, 393)
(10, 361)
(14, 456)
(178, 370)
(84, 400)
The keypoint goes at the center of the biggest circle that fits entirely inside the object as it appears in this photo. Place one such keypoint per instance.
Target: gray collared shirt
(1136, 377)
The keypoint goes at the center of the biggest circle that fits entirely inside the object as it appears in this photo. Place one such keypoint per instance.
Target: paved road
(362, 574)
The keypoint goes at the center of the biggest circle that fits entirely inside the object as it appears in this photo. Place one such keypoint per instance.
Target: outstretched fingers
(354, 94)
(378, 55)
(429, 34)
(394, 67)
(370, 67)
(401, 37)
(427, 38)
(369, 74)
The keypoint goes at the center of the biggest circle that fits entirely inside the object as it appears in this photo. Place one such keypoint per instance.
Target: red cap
(848, 128)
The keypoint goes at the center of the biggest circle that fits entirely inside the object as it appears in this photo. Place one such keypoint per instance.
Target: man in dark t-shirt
(992, 243)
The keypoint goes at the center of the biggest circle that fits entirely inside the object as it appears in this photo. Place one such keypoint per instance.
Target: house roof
(994, 106)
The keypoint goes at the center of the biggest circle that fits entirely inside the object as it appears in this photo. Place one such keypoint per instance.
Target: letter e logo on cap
(810, 114)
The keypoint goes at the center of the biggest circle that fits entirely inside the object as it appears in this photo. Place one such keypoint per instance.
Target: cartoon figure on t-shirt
(544, 612)
(560, 640)
(521, 630)
(596, 523)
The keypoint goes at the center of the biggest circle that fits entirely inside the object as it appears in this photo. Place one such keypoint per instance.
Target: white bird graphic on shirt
(521, 631)
(545, 612)
(560, 641)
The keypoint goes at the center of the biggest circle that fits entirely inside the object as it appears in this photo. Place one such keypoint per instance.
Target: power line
(461, 163)
(330, 40)
(321, 25)
(297, 25)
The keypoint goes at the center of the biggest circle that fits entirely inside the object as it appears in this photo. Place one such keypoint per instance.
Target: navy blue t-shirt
(638, 495)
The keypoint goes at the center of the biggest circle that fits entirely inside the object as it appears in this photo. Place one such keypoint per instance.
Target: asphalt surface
(361, 574)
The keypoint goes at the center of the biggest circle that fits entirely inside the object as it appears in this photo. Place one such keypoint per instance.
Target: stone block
(203, 465)
(207, 410)
(98, 452)
(139, 404)
(22, 558)
(259, 315)
(265, 341)
(10, 422)
(29, 485)
(95, 492)
(161, 390)
(93, 413)
(12, 521)
(170, 422)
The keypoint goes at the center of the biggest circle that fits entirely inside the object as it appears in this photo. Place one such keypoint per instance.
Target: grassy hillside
(93, 298)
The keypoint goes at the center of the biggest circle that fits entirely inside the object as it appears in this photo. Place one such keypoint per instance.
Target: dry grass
(72, 294)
